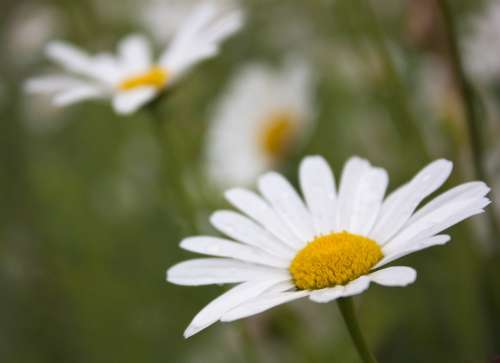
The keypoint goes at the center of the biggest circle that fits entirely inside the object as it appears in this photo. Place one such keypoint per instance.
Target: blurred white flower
(131, 78)
(28, 29)
(482, 51)
(262, 117)
(330, 245)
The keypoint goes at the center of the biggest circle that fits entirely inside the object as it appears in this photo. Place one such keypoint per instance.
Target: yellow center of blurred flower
(278, 134)
(155, 77)
(334, 259)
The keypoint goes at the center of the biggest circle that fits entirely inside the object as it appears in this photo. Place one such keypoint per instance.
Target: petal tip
(445, 163)
(231, 193)
(191, 330)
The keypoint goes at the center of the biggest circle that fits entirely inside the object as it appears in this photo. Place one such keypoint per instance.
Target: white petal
(192, 26)
(127, 102)
(77, 94)
(327, 294)
(255, 207)
(368, 200)
(435, 221)
(224, 248)
(332, 293)
(394, 276)
(357, 286)
(208, 271)
(232, 298)
(282, 286)
(224, 28)
(50, 84)
(207, 44)
(262, 303)
(107, 69)
(70, 57)
(135, 53)
(243, 229)
(425, 243)
(399, 206)
(352, 175)
(195, 22)
(199, 37)
(464, 191)
(287, 203)
(318, 186)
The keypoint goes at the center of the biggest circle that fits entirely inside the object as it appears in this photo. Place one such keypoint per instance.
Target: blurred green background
(88, 226)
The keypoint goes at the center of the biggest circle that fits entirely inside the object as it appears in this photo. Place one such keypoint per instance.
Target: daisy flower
(329, 245)
(262, 117)
(131, 78)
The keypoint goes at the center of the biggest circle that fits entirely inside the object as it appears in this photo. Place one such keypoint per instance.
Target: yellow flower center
(155, 77)
(278, 135)
(334, 259)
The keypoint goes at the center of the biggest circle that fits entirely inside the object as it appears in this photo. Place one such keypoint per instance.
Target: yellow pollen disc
(155, 77)
(278, 134)
(334, 259)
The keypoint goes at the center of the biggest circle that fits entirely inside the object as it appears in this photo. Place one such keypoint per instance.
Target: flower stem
(346, 306)
(472, 106)
(176, 191)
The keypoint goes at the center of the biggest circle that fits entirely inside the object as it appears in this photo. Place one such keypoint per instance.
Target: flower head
(131, 78)
(264, 115)
(330, 244)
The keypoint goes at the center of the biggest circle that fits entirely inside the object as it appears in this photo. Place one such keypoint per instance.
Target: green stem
(346, 306)
(177, 194)
(472, 108)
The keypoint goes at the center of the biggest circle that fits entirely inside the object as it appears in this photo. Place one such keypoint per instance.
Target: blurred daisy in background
(132, 78)
(482, 50)
(264, 115)
(28, 29)
(330, 245)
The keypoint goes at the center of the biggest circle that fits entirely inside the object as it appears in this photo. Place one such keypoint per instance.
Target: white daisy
(131, 78)
(28, 29)
(264, 115)
(330, 245)
(481, 47)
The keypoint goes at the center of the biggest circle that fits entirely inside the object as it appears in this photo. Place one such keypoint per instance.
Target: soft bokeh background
(88, 224)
